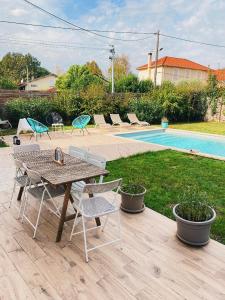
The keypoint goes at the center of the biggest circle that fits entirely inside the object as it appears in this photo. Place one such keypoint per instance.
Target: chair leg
(22, 202)
(85, 239)
(24, 207)
(31, 136)
(72, 130)
(39, 213)
(86, 130)
(106, 221)
(13, 191)
(74, 225)
(48, 135)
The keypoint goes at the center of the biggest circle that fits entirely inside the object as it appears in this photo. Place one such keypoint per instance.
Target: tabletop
(75, 169)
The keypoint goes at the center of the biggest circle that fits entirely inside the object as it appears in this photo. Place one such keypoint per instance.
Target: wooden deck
(152, 264)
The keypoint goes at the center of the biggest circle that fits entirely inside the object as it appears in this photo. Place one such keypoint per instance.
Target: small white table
(58, 126)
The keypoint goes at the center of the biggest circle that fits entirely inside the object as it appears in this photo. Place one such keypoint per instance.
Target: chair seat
(78, 186)
(37, 191)
(97, 206)
(21, 180)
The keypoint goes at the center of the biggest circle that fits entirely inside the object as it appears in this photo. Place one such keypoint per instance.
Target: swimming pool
(181, 140)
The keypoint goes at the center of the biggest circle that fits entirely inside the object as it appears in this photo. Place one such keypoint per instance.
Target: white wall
(173, 74)
(41, 84)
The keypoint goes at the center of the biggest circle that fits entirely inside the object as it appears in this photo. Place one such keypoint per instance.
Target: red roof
(168, 61)
(220, 74)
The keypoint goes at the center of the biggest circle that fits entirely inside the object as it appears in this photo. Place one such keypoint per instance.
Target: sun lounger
(134, 120)
(100, 121)
(117, 121)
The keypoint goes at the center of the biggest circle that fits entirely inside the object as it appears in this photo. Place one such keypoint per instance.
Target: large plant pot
(132, 203)
(193, 233)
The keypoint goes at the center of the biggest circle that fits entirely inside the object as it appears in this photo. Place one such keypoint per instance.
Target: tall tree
(94, 68)
(16, 66)
(121, 67)
(77, 77)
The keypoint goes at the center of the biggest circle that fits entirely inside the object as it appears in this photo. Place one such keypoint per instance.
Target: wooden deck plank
(152, 264)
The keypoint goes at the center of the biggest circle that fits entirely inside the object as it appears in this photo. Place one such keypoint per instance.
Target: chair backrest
(33, 176)
(132, 118)
(96, 188)
(99, 119)
(26, 148)
(37, 126)
(18, 163)
(81, 121)
(115, 118)
(98, 161)
(77, 152)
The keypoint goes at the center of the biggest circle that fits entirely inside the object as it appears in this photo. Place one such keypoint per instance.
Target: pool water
(195, 142)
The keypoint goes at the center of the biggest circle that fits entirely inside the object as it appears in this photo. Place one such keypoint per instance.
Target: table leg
(63, 212)
(20, 193)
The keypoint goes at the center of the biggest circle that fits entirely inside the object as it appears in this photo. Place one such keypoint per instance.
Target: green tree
(94, 68)
(121, 67)
(213, 92)
(127, 83)
(16, 66)
(77, 77)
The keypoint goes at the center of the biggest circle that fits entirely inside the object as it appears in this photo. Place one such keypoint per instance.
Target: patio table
(74, 170)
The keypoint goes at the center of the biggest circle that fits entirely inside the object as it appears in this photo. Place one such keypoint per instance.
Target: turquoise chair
(37, 127)
(81, 123)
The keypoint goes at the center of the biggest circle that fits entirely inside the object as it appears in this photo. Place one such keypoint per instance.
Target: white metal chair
(94, 160)
(97, 206)
(77, 152)
(26, 148)
(21, 179)
(44, 193)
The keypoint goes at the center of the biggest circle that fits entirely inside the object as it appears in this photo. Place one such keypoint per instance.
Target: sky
(200, 20)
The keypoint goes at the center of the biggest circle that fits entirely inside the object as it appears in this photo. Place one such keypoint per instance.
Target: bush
(37, 108)
(7, 84)
(185, 102)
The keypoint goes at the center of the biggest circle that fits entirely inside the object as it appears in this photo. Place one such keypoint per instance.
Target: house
(44, 83)
(173, 69)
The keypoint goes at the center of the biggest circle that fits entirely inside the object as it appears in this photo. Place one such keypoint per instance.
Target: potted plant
(164, 122)
(194, 218)
(132, 198)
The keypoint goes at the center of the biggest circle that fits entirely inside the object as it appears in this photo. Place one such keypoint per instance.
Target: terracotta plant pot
(132, 203)
(193, 233)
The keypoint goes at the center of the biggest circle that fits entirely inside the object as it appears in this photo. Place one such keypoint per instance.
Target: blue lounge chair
(81, 123)
(37, 127)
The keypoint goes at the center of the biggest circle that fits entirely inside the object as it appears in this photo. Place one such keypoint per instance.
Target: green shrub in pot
(194, 217)
(132, 197)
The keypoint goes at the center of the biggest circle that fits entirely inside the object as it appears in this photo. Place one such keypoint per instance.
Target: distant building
(173, 69)
(44, 83)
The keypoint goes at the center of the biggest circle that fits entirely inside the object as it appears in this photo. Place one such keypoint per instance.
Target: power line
(116, 32)
(50, 44)
(192, 41)
(79, 27)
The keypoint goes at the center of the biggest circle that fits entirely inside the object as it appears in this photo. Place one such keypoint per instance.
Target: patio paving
(152, 264)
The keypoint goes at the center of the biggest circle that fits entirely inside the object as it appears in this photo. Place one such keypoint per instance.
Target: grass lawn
(207, 127)
(166, 174)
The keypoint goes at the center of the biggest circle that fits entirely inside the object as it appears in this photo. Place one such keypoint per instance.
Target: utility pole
(156, 56)
(111, 57)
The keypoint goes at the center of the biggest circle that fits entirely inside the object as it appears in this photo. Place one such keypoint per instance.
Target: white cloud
(194, 19)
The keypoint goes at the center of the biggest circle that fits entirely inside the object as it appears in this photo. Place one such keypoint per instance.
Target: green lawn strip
(207, 127)
(166, 174)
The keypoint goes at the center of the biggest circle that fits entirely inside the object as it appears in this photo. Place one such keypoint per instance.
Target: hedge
(184, 102)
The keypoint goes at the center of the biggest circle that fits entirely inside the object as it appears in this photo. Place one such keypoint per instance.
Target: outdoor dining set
(77, 179)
